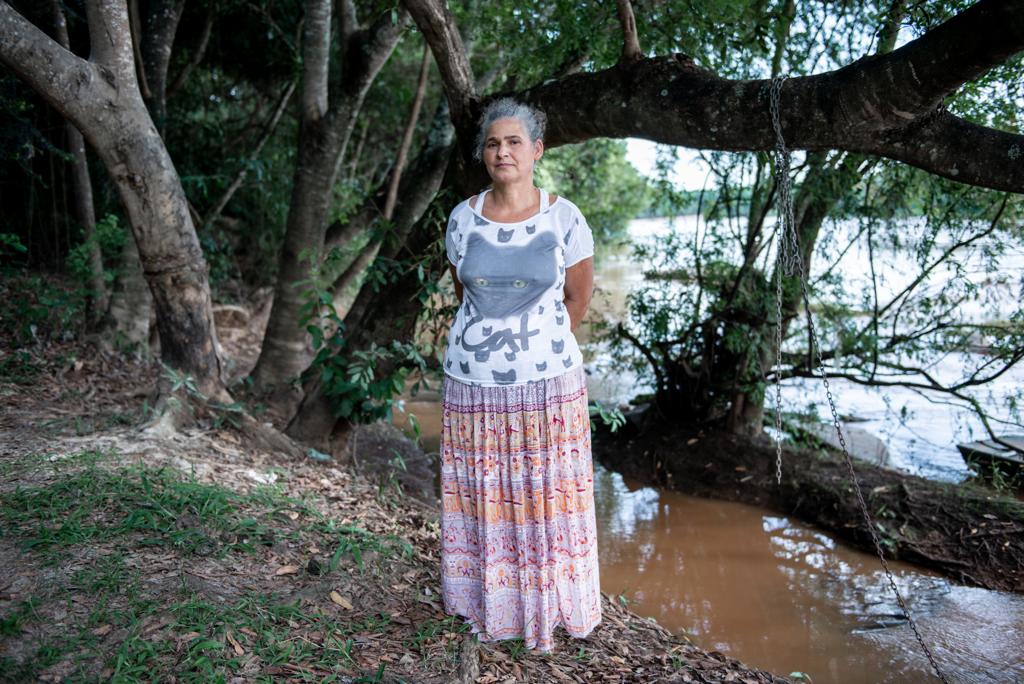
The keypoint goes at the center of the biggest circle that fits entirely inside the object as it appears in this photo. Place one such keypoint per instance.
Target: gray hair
(532, 119)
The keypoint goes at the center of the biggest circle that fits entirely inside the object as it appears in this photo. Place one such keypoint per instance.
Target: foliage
(611, 416)
(596, 176)
(360, 384)
(110, 236)
(35, 309)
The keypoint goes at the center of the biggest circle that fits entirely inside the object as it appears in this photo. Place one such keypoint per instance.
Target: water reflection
(785, 597)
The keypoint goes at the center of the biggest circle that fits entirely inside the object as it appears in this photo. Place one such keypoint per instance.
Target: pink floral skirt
(518, 530)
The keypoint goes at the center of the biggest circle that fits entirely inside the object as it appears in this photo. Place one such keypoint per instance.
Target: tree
(101, 97)
(329, 107)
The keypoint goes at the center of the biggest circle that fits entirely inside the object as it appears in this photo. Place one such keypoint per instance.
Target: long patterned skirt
(518, 531)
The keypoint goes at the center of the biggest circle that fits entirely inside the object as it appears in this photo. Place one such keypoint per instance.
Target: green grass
(114, 511)
(89, 503)
(432, 629)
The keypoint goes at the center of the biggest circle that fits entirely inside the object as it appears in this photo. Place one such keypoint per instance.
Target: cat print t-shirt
(512, 326)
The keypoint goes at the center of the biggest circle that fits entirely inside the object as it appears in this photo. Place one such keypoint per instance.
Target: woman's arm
(458, 285)
(579, 287)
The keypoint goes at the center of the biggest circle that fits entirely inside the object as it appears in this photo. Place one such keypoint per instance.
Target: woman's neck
(513, 199)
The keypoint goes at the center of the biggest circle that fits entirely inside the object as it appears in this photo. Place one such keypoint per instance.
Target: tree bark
(101, 97)
(81, 191)
(326, 124)
(160, 25)
(127, 320)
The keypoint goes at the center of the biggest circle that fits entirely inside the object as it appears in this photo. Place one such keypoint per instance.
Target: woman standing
(518, 530)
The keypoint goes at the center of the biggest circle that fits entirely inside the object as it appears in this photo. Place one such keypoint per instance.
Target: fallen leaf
(341, 600)
(287, 570)
(741, 469)
(102, 630)
(234, 644)
(692, 441)
(247, 631)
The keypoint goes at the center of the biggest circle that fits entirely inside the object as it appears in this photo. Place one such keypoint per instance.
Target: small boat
(988, 455)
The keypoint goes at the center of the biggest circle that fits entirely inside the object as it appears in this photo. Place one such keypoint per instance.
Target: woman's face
(508, 153)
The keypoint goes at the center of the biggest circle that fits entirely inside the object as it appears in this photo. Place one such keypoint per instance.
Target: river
(769, 590)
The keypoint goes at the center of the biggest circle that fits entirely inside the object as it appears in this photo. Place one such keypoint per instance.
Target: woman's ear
(538, 150)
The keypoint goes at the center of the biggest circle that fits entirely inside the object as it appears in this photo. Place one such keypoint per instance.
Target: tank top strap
(543, 199)
(480, 201)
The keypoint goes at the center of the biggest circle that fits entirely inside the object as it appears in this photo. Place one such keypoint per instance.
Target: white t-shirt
(512, 326)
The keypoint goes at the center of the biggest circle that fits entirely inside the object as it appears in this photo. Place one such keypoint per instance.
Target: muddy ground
(970, 533)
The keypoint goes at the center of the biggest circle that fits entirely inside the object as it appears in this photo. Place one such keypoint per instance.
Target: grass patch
(432, 629)
(102, 513)
(90, 503)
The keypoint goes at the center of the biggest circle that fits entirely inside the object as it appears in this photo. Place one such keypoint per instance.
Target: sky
(689, 172)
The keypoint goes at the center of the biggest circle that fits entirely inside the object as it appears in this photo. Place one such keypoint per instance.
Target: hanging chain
(788, 258)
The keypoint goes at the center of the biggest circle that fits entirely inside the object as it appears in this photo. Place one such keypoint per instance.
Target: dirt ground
(198, 557)
(970, 533)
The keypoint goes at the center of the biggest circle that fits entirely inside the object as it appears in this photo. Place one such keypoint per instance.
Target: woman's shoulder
(458, 210)
(565, 201)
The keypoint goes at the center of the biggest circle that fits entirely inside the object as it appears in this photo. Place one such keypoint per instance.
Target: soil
(62, 399)
(971, 534)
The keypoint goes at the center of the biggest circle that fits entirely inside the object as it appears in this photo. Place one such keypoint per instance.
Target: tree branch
(268, 131)
(197, 55)
(63, 79)
(110, 43)
(438, 27)
(882, 105)
(410, 128)
(630, 40)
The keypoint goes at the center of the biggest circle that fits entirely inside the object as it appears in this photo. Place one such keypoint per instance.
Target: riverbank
(199, 556)
(969, 533)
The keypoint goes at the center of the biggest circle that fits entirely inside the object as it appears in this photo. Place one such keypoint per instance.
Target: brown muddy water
(782, 596)
(765, 588)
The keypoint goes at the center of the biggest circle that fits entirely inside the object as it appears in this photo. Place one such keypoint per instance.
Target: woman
(519, 543)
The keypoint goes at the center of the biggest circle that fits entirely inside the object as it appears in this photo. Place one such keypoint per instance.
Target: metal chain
(787, 258)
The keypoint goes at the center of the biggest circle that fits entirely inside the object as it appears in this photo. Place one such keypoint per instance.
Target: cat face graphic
(502, 280)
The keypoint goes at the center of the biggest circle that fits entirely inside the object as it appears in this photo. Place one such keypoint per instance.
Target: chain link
(788, 259)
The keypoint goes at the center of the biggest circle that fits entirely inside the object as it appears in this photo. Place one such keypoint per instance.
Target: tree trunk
(81, 192)
(159, 28)
(131, 303)
(172, 260)
(325, 127)
(390, 313)
(286, 350)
